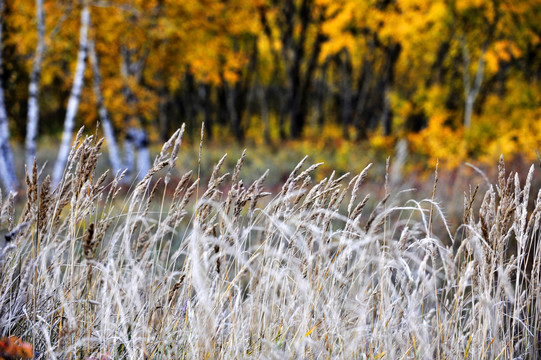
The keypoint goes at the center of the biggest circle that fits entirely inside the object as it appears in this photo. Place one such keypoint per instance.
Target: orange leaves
(14, 348)
(463, 5)
(440, 142)
(503, 50)
(508, 126)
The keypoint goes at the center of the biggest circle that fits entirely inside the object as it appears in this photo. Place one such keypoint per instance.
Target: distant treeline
(266, 67)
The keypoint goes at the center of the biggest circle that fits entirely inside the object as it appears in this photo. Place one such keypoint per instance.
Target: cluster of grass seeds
(309, 273)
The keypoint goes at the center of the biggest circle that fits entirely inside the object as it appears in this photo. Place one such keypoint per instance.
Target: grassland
(171, 268)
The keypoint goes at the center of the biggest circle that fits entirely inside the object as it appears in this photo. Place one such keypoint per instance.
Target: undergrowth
(216, 272)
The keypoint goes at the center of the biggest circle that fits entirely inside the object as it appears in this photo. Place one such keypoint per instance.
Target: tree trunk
(283, 96)
(361, 99)
(234, 116)
(164, 122)
(108, 131)
(387, 115)
(7, 166)
(206, 99)
(136, 138)
(472, 90)
(137, 142)
(321, 95)
(286, 34)
(294, 100)
(261, 94)
(346, 97)
(143, 154)
(75, 96)
(129, 152)
(33, 91)
(190, 102)
(301, 81)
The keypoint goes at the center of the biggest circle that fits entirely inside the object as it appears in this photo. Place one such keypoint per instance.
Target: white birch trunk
(143, 154)
(129, 138)
(33, 90)
(7, 166)
(75, 96)
(129, 153)
(6, 176)
(136, 139)
(471, 91)
(114, 155)
(137, 142)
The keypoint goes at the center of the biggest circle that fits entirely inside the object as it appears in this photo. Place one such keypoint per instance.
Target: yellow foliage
(507, 127)
(502, 50)
(215, 41)
(439, 142)
(379, 142)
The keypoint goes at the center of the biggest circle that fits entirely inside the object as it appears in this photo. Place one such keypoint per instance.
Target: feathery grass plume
(115, 187)
(93, 157)
(89, 245)
(300, 190)
(143, 185)
(151, 196)
(212, 193)
(256, 192)
(375, 212)
(358, 182)
(300, 275)
(235, 190)
(199, 164)
(45, 203)
(73, 155)
(314, 193)
(182, 185)
(8, 211)
(290, 180)
(31, 193)
(83, 168)
(167, 146)
(144, 242)
(433, 198)
(99, 185)
(357, 211)
(176, 148)
(238, 167)
(63, 198)
(468, 204)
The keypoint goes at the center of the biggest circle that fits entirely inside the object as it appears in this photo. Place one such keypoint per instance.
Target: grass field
(174, 269)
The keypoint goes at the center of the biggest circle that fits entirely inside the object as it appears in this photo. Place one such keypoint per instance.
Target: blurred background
(346, 81)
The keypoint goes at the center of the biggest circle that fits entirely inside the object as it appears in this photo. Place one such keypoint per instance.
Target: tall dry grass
(197, 272)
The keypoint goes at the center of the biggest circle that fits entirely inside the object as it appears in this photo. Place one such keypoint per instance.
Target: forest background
(347, 80)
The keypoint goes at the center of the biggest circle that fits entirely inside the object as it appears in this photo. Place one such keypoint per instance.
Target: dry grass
(305, 275)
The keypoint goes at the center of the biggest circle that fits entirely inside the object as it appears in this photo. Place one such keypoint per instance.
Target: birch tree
(481, 25)
(75, 96)
(33, 89)
(136, 140)
(114, 155)
(471, 89)
(7, 167)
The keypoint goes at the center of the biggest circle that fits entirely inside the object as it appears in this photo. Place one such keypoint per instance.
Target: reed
(233, 272)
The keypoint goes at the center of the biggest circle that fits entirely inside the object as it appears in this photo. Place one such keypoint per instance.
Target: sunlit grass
(317, 268)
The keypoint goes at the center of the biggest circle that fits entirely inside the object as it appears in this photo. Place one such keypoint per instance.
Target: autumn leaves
(12, 348)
